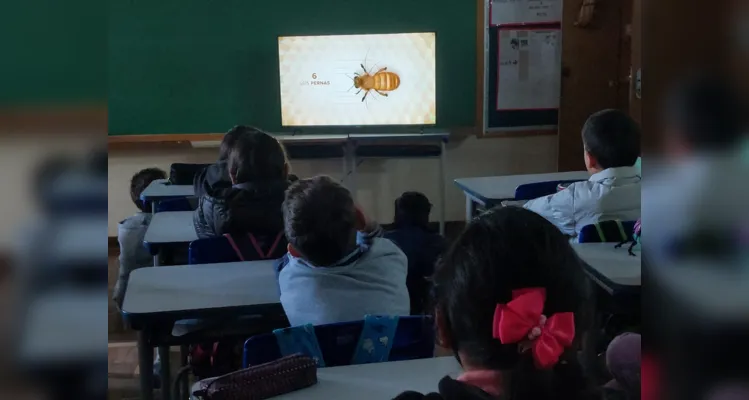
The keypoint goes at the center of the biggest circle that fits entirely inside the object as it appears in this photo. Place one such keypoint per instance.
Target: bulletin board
(523, 65)
(525, 12)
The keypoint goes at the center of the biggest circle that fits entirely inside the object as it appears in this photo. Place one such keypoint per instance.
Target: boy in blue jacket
(338, 268)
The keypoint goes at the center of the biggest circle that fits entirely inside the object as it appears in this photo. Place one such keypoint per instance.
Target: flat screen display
(357, 80)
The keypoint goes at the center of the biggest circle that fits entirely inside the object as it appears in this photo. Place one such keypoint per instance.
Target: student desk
(169, 228)
(490, 191)
(615, 270)
(160, 189)
(158, 297)
(618, 274)
(378, 381)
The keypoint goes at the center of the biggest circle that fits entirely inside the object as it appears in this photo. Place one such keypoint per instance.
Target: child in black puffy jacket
(258, 173)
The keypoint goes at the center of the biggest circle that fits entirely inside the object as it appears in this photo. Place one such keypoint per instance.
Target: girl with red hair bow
(510, 298)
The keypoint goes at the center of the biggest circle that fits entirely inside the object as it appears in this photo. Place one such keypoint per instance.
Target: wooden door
(593, 76)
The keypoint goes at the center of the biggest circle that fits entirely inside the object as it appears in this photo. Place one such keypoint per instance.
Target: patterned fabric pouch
(259, 382)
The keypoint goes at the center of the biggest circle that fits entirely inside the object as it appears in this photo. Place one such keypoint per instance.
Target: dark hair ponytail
(502, 251)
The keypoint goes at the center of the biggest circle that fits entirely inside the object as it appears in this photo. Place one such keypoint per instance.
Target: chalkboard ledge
(170, 137)
(71, 119)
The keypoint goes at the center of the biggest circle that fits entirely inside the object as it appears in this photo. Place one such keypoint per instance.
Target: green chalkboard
(52, 53)
(198, 66)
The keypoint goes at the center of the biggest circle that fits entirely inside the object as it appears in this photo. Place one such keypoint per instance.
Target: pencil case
(260, 382)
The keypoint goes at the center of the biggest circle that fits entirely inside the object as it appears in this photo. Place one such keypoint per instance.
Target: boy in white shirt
(611, 141)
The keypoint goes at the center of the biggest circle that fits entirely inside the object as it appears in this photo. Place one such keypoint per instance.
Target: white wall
(379, 181)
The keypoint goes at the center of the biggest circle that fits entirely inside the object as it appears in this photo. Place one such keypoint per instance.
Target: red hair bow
(522, 320)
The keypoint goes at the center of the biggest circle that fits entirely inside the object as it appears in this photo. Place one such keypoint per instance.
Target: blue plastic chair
(178, 204)
(414, 339)
(530, 191)
(607, 231)
(220, 250)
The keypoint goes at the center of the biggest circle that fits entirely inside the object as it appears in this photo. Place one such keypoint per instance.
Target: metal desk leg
(156, 262)
(344, 178)
(350, 156)
(470, 207)
(166, 378)
(145, 364)
(592, 337)
(442, 188)
(153, 207)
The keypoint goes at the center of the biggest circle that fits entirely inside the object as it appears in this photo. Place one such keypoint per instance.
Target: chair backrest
(530, 191)
(184, 174)
(223, 249)
(414, 338)
(422, 250)
(607, 231)
(178, 204)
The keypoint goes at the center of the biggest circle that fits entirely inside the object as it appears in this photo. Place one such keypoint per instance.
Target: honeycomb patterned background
(317, 77)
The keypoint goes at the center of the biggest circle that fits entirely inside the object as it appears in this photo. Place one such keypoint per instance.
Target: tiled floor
(124, 370)
(123, 360)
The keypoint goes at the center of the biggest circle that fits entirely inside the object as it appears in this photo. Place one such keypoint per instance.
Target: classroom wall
(379, 181)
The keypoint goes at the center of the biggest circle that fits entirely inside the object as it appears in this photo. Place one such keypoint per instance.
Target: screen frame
(397, 128)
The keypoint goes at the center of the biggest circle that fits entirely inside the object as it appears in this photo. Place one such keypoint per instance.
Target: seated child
(611, 141)
(331, 276)
(216, 177)
(258, 170)
(130, 233)
(510, 300)
(421, 246)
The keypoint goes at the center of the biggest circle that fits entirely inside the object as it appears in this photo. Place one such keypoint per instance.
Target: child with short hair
(216, 177)
(333, 273)
(421, 246)
(131, 230)
(611, 141)
(258, 171)
(510, 298)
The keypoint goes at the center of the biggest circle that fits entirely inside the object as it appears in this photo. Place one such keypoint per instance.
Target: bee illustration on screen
(382, 81)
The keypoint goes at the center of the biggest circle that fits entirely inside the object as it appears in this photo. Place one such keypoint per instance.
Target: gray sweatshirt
(133, 254)
(371, 280)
